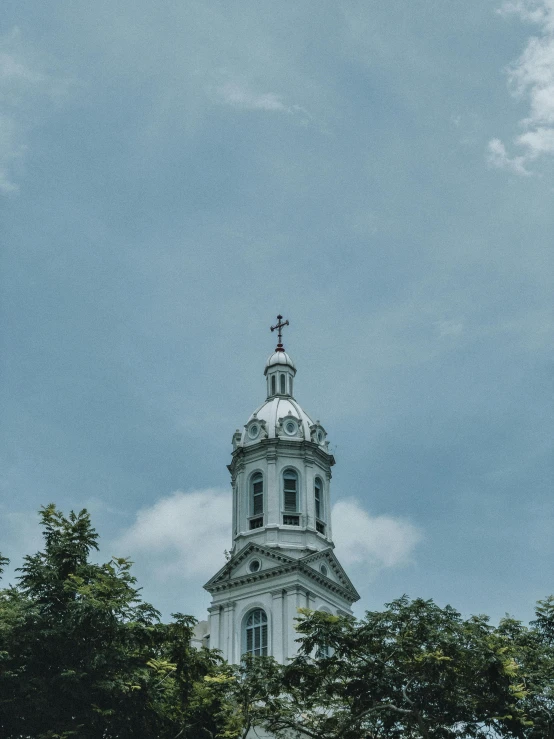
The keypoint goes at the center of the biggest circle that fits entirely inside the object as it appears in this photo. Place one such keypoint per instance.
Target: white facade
(282, 554)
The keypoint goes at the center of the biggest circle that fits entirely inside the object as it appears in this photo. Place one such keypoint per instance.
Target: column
(278, 635)
(309, 493)
(215, 633)
(242, 496)
(294, 602)
(327, 511)
(229, 616)
(235, 506)
(273, 490)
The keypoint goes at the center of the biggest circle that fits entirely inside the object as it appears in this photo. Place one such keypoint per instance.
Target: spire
(279, 368)
(279, 327)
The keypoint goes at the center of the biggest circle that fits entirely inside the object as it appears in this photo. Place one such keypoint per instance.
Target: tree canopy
(414, 670)
(81, 655)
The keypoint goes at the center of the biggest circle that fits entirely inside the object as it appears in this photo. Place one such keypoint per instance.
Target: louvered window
(290, 490)
(257, 494)
(318, 496)
(256, 633)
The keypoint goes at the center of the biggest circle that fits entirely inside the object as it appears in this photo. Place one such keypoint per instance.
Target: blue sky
(173, 175)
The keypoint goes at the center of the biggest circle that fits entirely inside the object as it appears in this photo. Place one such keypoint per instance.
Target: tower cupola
(279, 368)
(281, 468)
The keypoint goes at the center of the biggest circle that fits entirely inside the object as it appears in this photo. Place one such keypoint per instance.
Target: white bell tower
(282, 555)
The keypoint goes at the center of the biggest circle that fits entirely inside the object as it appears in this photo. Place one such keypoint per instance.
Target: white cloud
(531, 76)
(373, 541)
(240, 96)
(533, 11)
(184, 535)
(497, 157)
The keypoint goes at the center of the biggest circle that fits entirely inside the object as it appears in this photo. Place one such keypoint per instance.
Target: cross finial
(279, 327)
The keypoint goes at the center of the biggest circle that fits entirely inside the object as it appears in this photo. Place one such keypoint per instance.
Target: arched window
(273, 385)
(318, 495)
(283, 385)
(290, 385)
(290, 490)
(255, 633)
(256, 501)
(257, 494)
(319, 508)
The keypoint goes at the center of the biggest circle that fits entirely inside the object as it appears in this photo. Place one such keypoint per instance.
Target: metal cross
(280, 325)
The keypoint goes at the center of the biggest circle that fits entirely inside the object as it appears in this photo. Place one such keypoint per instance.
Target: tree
(413, 670)
(81, 655)
(534, 654)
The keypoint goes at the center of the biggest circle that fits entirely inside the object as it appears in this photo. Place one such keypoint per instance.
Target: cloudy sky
(174, 174)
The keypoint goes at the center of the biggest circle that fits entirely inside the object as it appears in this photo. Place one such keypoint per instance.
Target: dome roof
(279, 357)
(272, 412)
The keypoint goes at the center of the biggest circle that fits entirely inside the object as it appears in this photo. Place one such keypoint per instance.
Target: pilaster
(215, 627)
(273, 493)
(327, 511)
(294, 602)
(278, 635)
(309, 502)
(229, 617)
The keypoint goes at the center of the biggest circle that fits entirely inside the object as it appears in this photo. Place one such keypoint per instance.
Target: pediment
(256, 563)
(333, 571)
(240, 566)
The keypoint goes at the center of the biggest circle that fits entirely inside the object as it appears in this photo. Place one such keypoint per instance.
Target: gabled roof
(329, 557)
(278, 563)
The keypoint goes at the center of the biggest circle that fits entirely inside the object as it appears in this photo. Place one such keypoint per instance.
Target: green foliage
(533, 649)
(413, 670)
(82, 656)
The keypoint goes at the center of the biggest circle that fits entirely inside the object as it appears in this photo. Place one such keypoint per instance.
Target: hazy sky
(174, 174)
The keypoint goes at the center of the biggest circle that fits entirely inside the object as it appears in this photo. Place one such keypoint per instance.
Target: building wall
(280, 601)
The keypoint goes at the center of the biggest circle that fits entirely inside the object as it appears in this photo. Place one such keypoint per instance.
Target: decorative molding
(225, 581)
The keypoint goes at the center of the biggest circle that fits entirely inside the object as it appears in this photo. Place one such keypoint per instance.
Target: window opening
(256, 633)
(273, 388)
(291, 520)
(257, 487)
(283, 386)
(290, 489)
(318, 495)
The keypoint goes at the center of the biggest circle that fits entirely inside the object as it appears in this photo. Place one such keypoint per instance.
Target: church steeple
(281, 469)
(282, 554)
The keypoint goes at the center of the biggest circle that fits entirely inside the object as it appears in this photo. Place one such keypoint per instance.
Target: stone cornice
(301, 449)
